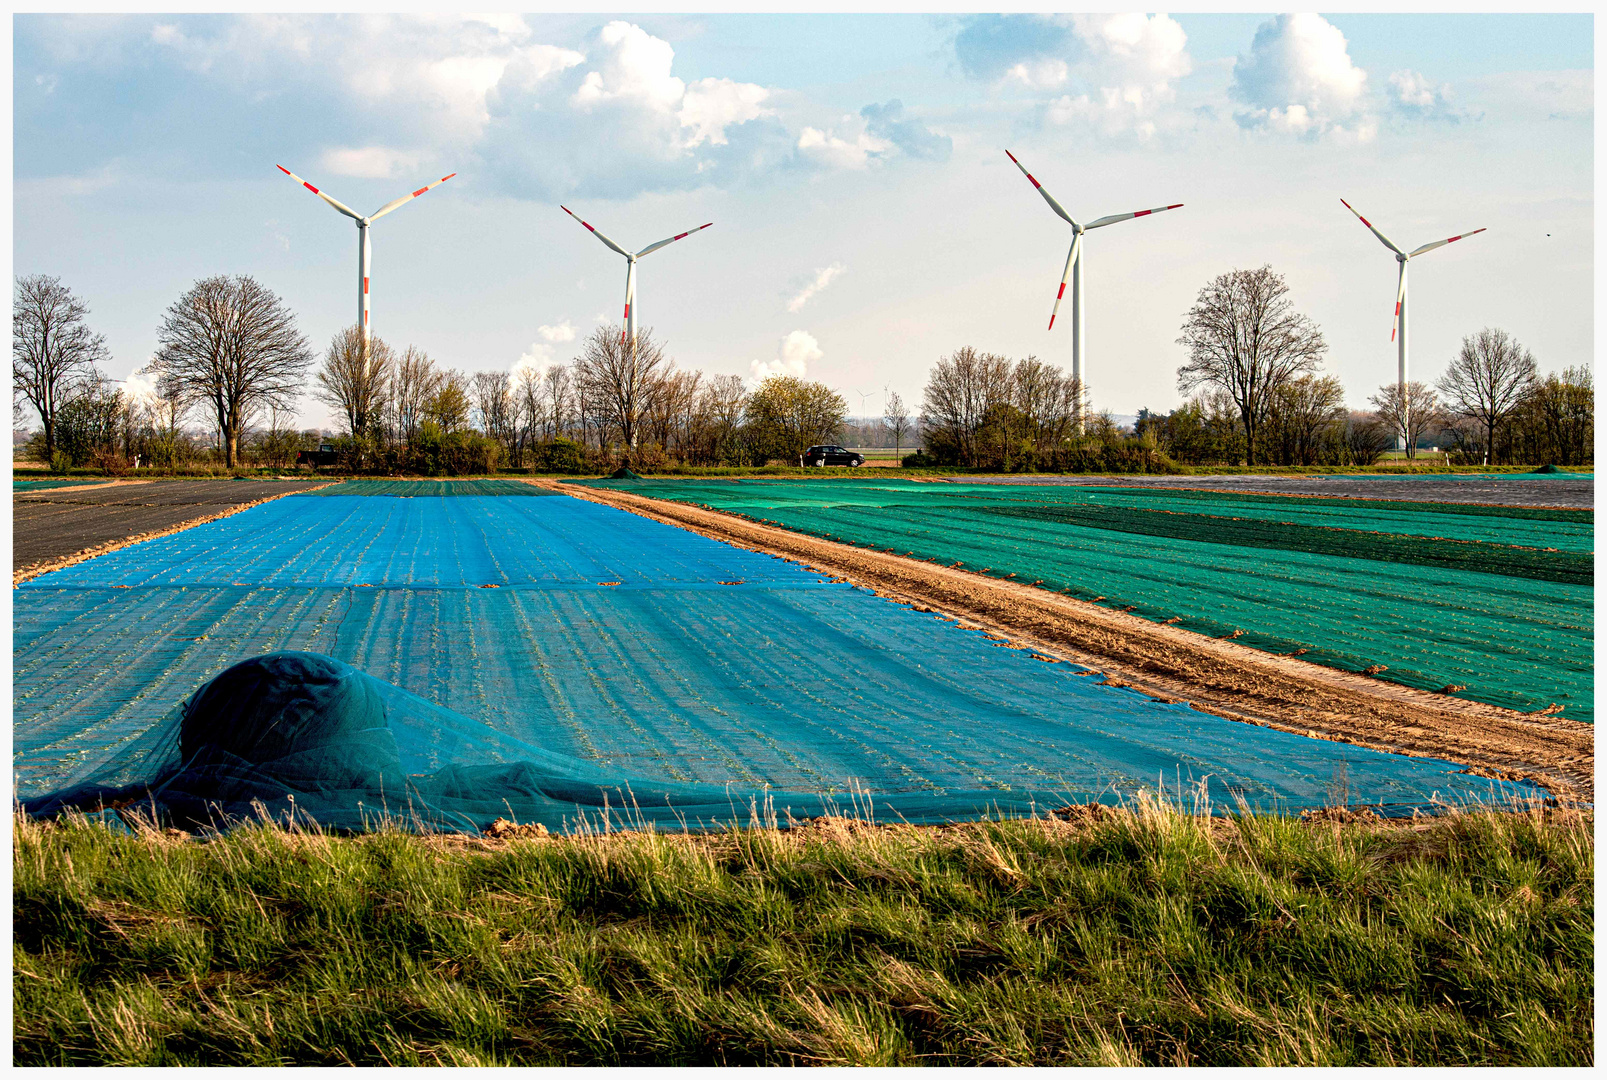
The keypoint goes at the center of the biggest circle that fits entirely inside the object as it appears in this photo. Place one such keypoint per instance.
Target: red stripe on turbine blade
(310, 188)
(365, 286)
(1174, 206)
(679, 235)
(1051, 322)
(445, 178)
(421, 191)
(1060, 294)
(1034, 180)
(284, 170)
(1143, 213)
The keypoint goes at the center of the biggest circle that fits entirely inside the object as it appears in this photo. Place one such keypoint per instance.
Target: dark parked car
(831, 455)
(324, 455)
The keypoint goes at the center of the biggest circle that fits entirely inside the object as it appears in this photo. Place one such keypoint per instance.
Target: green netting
(424, 489)
(1513, 561)
(1429, 620)
(46, 485)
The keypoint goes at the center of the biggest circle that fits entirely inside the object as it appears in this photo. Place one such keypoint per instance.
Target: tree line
(1258, 396)
(231, 359)
(229, 356)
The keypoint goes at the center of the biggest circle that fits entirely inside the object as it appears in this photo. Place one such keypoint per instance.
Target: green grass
(1131, 937)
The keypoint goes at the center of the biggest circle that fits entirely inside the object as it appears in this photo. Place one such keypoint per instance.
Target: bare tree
(725, 404)
(499, 409)
(897, 420)
(414, 382)
(53, 352)
(1244, 336)
(231, 343)
(1307, 416)
(1488, 381)
(1364, 438)
(1408, 424)
(620, 380)
(355, 383)
(558, 384)
(960, 393)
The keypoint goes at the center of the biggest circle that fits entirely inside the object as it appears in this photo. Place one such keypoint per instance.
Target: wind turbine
(362, 236)
(629, 333)
(1074, 272)
(1403, 257)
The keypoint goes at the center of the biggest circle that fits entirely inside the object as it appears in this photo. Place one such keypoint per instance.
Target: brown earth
(1212, 675)
(62, 526)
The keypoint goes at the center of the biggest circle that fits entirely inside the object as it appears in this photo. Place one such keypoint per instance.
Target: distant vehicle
(832, 455)
(324, 455)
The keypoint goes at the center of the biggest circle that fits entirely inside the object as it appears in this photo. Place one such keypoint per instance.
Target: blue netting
(705, 664)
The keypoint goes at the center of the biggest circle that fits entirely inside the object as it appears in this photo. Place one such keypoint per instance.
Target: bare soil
(56, 528)
(1212, 675)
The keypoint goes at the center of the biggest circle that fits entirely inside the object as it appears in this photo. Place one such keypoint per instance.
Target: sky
(866, 218)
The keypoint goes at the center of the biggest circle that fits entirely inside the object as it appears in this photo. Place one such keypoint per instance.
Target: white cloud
(1413, 94)
(823, 277)
(712, 105)
(368, 162)
(1298, 79)
(827, 148)
(542, 354)
(140, 387)
(1113, 72)
(794, 355)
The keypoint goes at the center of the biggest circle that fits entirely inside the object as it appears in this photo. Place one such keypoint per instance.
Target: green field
(1494, 603)
(1154, 937)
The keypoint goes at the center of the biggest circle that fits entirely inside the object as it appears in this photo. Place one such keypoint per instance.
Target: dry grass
(1148, 935)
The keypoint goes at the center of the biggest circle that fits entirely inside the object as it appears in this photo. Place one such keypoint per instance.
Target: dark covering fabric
(299, 736)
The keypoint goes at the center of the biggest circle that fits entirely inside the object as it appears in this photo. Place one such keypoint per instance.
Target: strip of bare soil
(108, 515)
(1211, 675)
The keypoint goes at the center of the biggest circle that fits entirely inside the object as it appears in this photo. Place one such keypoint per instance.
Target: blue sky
(866, 218)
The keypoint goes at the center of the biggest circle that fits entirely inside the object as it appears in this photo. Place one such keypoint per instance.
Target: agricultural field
(624, 652)
(66, 517)
(1488, 603)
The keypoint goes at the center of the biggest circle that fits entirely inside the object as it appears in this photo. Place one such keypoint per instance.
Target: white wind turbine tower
(630, 270)
(1399, 324)
(1074, 272)
(362, 237)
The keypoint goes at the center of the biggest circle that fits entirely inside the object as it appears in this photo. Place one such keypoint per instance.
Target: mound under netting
(447, 661)
(1490, 603)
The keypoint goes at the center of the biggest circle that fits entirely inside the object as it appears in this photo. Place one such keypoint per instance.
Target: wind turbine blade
(1048, 198)
(1387, 241)
(1400, 294)
(336, 203)
(1114, 218)
(650, 248)
(1071, 260)
(1442, 243)
(394, 203)
(595, 233)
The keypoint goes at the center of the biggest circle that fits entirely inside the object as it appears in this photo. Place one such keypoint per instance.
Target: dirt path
(1211, 675)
